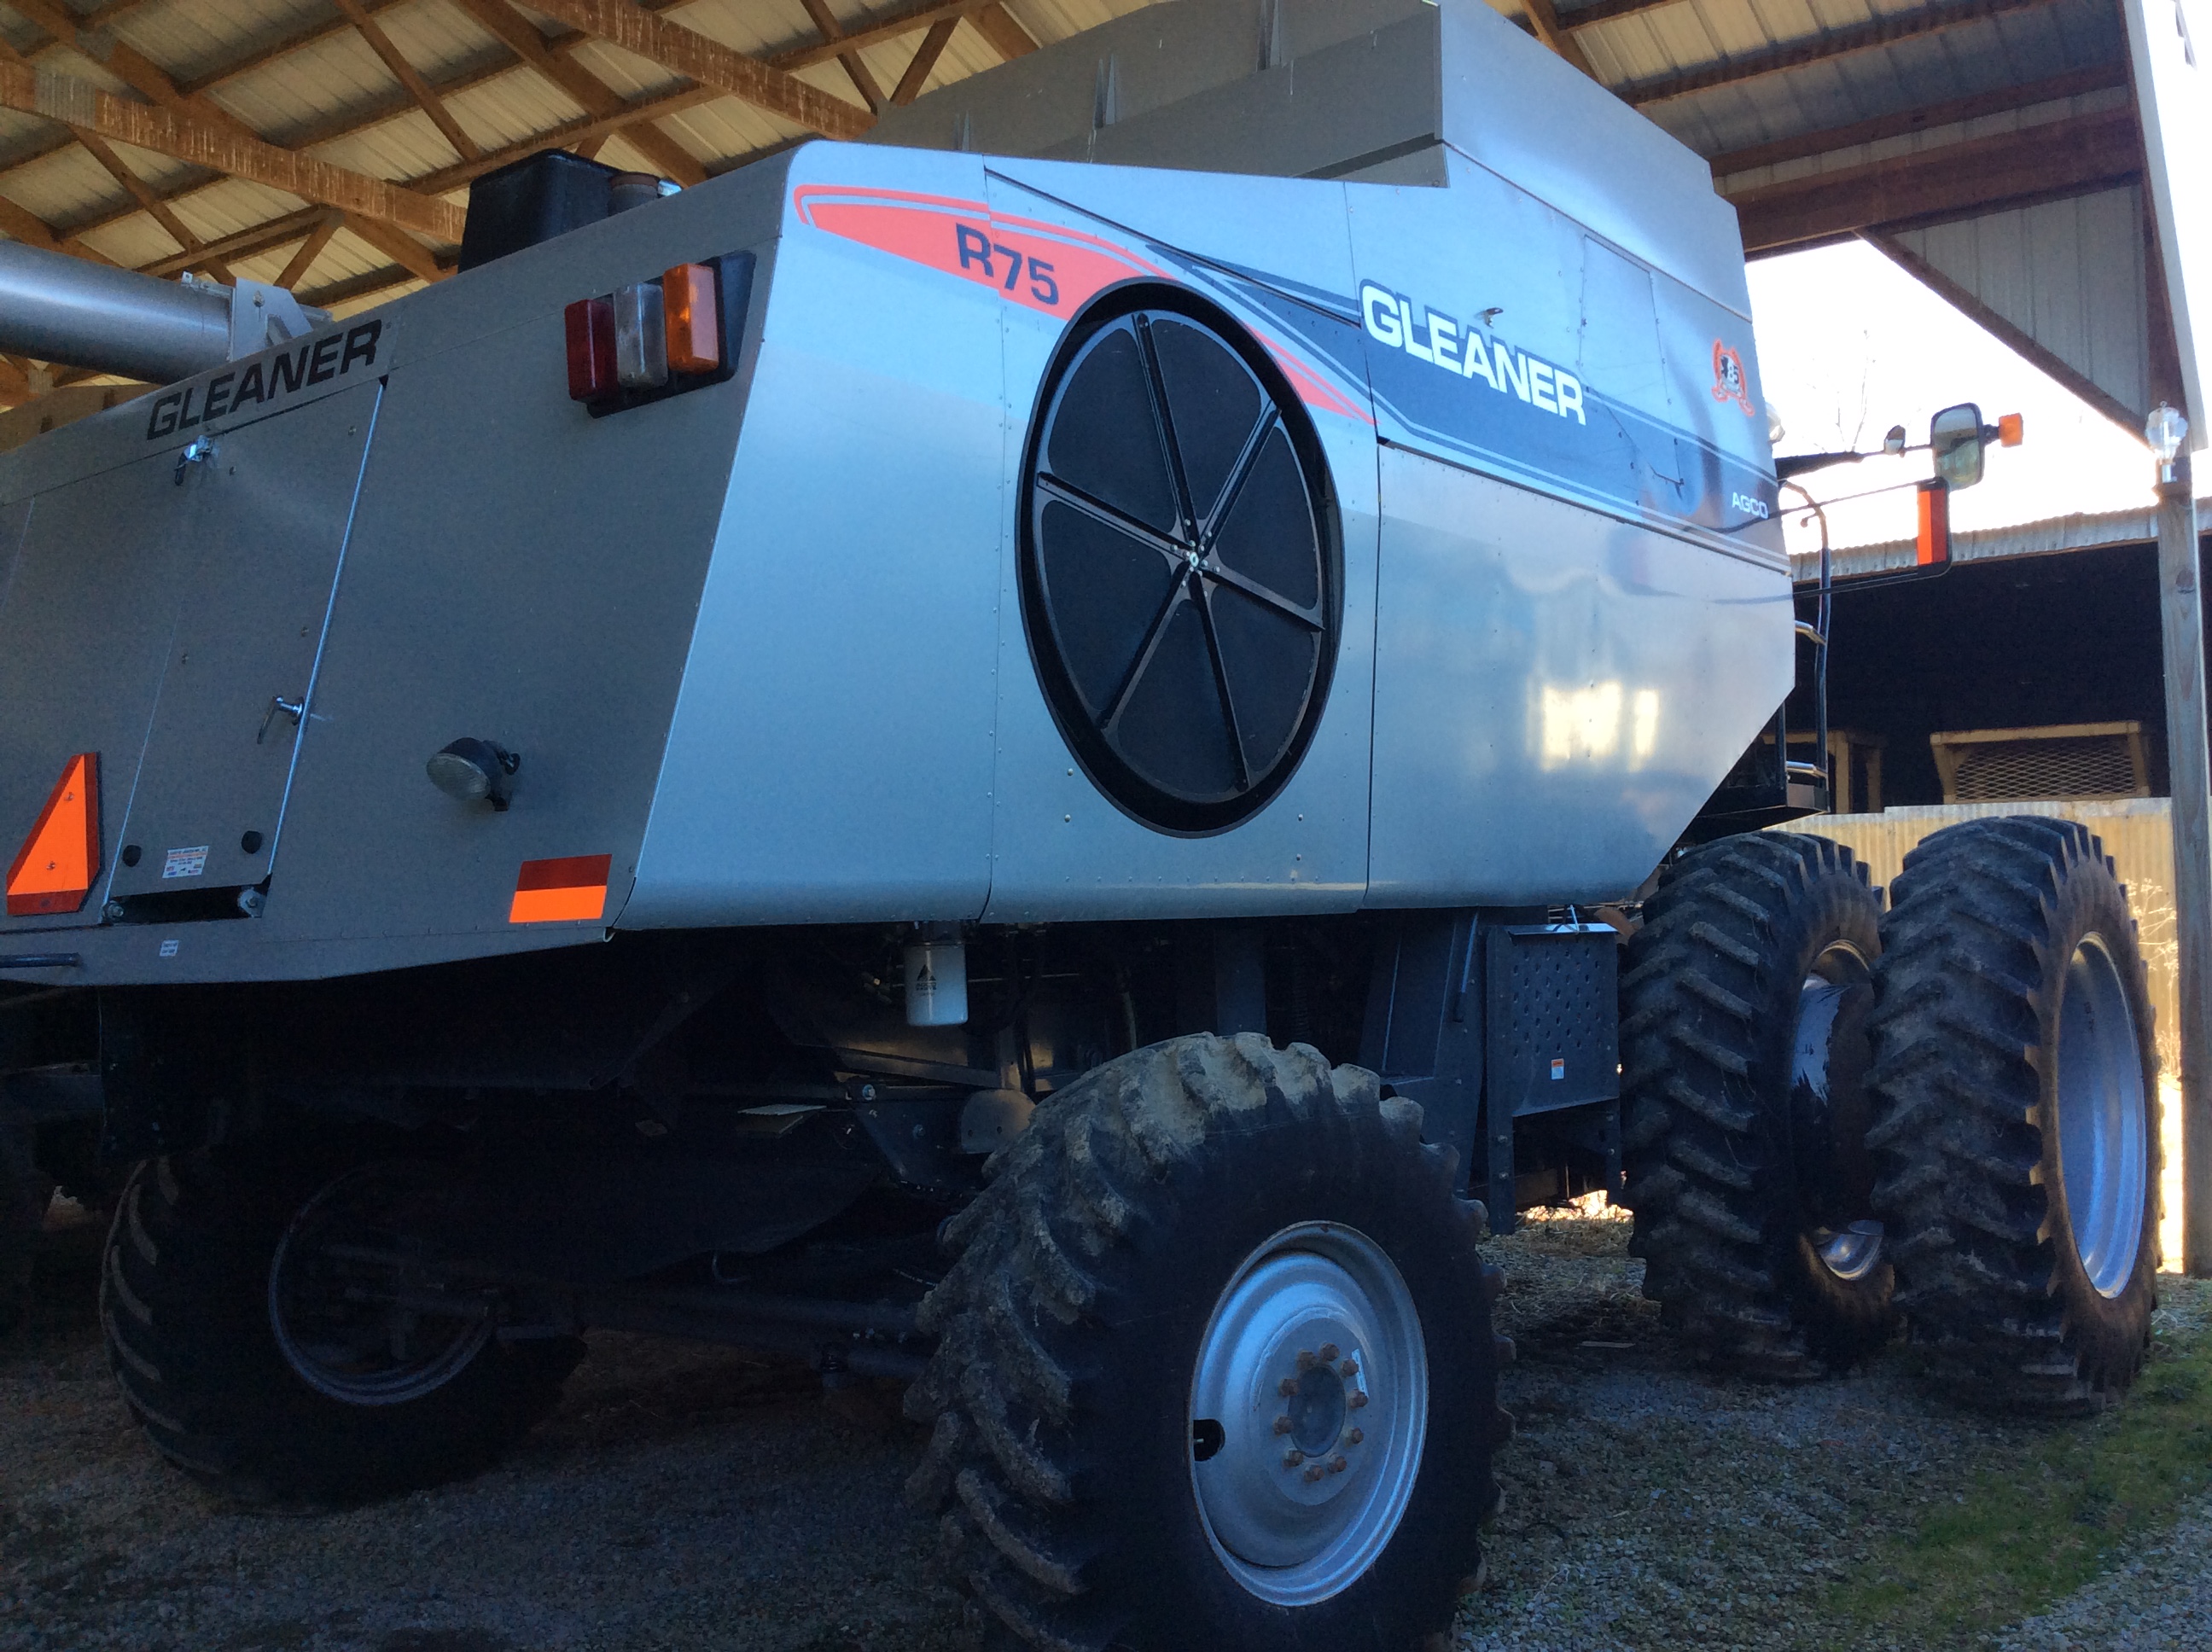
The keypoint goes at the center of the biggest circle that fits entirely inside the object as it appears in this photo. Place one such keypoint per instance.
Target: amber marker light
(695, 332)
(2011, 430)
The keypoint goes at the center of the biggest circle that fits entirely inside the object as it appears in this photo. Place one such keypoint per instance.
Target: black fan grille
(1179, 569)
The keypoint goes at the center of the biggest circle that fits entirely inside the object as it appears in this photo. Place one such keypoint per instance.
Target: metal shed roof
(327, 145)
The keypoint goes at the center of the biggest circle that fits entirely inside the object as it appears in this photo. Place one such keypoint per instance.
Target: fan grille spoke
(1180, 568)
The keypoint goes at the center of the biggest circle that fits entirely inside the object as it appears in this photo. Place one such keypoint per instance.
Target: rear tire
(2016, 1092)
(186, 1305)
(1742, 1010)
(1167, 1233)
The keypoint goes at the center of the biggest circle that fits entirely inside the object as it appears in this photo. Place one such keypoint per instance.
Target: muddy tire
(2016, 1101)
(1743, 1007)
(1118, 1461)
(190, 1281)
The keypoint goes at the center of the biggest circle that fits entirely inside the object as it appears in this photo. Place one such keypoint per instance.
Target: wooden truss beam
(1004, 32)
(687, 52)
(1551, 30)
(924, 61)
(411, 77)
(1836, 43)
(856, 69)
(138, 189)
(186, 137)
(2041, 162)
(2096, 77)
(520, 36)
(895, 26)
(2026, 344)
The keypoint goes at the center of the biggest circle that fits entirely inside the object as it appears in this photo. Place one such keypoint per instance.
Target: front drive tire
(2016, 1113)
(1216, 1365)
(231, 1335)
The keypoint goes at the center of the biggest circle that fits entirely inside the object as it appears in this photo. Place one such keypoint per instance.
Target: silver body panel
(760, 645)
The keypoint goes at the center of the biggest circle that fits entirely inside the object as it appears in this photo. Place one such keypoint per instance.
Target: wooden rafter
(892, 25)
(567, 133)
(187, 138)
(188, 243)
(856, 70)
(2041, 162)
(141, 73)
(1606, 11)
(2096, 77)
(924, 61)
(1836, 43)
(296, 267)
(520, 36)
(242, 244)
(2002, 328)
(1004, 32)
(686, 51)
(1544, 19)
(409, 76)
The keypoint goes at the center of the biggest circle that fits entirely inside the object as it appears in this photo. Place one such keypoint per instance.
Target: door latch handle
(196, 452)
(295, 709)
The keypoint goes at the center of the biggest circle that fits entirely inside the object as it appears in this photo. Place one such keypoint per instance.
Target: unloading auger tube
(56, 308)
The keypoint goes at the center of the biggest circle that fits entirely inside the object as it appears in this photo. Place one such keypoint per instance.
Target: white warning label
(184, 863)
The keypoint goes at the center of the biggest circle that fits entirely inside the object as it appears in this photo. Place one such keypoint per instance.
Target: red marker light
(591, 327)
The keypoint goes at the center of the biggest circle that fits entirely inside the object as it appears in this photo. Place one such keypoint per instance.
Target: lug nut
(1349, 1369)
(1313, 1474)
(1355, 1399)
(1338, 1464)
(1287, 1387)
(1329, 1351)
(1353, 1436)
(1305, 1360)
(1293, 1457)
(1282, 1425)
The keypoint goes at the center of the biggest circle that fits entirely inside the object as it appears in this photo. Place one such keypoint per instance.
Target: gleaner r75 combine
(1002, 772)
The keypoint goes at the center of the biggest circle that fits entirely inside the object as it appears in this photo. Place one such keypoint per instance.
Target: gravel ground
(683, 1499)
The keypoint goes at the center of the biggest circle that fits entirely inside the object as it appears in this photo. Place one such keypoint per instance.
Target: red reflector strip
(60, 861)
(569, 890)
(1933, 544)
(590, 323)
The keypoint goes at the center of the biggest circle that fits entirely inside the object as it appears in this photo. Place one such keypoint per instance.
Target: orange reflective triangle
(55, 869)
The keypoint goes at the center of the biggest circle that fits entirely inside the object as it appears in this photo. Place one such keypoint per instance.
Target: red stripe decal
(1043, 266)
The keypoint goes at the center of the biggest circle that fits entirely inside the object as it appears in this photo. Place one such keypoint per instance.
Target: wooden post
(2182, 620)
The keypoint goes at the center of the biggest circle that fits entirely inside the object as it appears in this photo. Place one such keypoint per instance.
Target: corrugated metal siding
(2137, 833)
(2087, 531)
(1978, 57)
(2069, 274)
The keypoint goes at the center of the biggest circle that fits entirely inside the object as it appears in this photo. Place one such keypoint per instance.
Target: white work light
(2164, 430)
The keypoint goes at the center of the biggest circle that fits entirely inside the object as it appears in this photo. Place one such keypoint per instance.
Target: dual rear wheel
(1837, 1120)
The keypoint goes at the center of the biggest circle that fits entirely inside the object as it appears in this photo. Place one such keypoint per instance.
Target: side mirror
(1955, 438)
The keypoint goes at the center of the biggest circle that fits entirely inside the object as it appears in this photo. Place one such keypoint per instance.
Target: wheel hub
(357, 1310)
(2103, 1139)
(1828, 1114)
(1311, 1392)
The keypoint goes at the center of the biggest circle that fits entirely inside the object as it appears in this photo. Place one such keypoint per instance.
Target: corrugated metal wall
(2069, 274)
(2137, 833)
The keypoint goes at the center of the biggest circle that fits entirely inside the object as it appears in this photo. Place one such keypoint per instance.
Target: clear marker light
(641, 336)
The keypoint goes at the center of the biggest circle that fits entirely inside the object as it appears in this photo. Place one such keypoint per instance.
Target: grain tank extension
(1149, 629)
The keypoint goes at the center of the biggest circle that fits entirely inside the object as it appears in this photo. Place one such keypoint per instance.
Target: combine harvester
(1015, 759)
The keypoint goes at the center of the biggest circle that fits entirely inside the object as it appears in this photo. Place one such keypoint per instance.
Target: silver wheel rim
(1855, 1251)
(2104, 1150)
(1309, 1408)
(354, 1310)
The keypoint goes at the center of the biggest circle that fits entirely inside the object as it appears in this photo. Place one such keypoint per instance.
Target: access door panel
(270, 512)
(88, 614)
